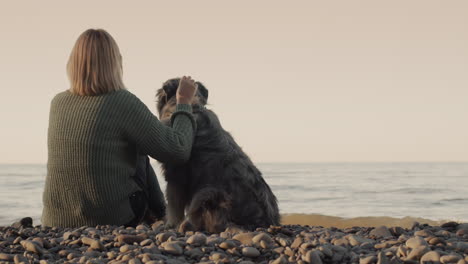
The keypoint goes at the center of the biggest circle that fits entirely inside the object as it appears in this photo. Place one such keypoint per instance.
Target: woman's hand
(186, 90)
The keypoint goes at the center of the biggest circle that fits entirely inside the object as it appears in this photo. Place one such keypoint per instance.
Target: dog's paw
(158, 226)
(234, 229)
(186, 226)
(169, 225)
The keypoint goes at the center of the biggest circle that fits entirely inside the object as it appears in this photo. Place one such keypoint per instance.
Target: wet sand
(369, 221)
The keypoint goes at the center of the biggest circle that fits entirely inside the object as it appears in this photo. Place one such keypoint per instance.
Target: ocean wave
(415, 190)
(454, 200)
(292, 188)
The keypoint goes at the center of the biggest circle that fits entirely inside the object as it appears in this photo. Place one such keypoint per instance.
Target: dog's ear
(161, 99)
(202, 90)
(166, 92)
(170, 87)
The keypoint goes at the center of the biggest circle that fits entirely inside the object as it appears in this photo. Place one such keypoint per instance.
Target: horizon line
(290, 162)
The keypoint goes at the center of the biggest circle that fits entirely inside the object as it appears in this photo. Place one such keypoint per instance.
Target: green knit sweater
(93, 145)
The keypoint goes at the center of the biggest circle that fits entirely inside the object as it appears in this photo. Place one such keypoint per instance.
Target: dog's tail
(210, 210)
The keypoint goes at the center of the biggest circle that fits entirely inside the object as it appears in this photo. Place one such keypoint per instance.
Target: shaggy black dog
(219, 186)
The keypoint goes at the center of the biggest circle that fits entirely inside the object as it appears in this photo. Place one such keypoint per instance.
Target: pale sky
(293, 81)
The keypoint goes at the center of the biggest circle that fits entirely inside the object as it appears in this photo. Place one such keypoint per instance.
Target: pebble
(402, 251)
(382, 258)
(436, 240)
(415, 242)
(92, 254)
(218, 256)
(32, 247)
(92, 243)
(280, 260)
(450, 224)
(250, 252)
(244, 238)
(23, 223)
(381, 232)
(71, 235)
(312, 257)
(431, 257)
(213, 240)
(382, 245)
(297, 242)
(111, 255)
(127, 248)
(357, 240)
(73, 256)
(227, 244)
(38, 241)
(20, 259)
(194, 253)
(262, 237)
(173, 248)
(461, 246)
(134, 261)
(417, 252)
(278, 250)
(6, 257)
(341, 242)
(368, 260)
(17, 240)
(288, 251)
(396, 230)
(129, 239)
(281, 240)
(451, 258)
(197, 240)
(423, 233)
(326, 251)
(146, 242)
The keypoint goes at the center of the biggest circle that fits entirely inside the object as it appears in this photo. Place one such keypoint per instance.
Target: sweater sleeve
(161, 142)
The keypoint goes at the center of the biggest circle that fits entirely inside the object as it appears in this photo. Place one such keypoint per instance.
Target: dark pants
(139, 205)
(149, 204)
(139, 199)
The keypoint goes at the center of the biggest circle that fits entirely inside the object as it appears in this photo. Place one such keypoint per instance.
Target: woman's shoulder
(126, 99)
(61, 95)
(125, 94)
(121, 100)
(118, 95)
(59, 98)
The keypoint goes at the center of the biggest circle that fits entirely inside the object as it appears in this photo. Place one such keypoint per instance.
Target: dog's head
(166, 97)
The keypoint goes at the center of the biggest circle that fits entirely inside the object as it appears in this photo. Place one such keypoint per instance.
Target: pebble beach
(151, 244)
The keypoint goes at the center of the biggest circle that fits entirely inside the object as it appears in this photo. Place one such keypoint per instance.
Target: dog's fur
(219, 186)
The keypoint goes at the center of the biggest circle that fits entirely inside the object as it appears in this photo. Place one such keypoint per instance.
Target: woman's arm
(151, 137)
(163, 143)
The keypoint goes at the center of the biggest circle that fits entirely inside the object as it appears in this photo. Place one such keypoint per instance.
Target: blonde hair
(95, 64)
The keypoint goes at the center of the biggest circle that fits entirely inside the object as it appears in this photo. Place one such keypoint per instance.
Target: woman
(97, 134)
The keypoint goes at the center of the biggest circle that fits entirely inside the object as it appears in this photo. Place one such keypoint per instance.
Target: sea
(435, 191)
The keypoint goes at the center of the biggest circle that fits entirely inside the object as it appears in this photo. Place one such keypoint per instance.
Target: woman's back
(90, 162)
